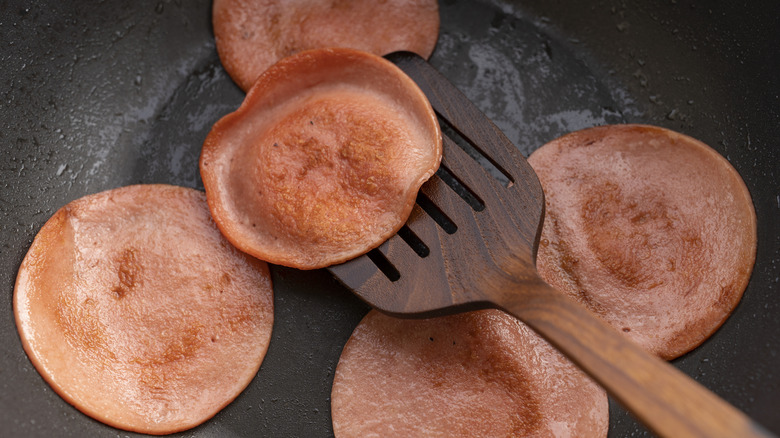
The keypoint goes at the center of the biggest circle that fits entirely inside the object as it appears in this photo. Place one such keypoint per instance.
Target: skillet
(101, 95)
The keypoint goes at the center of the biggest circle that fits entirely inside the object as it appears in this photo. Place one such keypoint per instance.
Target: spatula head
(475, 228)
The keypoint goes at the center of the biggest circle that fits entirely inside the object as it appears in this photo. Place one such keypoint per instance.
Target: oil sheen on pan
(652, 230)
(137, 311)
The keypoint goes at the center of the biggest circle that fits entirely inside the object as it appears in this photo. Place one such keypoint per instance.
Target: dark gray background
(97, 95)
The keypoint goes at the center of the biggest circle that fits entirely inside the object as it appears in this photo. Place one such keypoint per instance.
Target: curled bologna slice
(323, 160)
(252, 35)
(136, 310)
(477, 374)
(651, 229)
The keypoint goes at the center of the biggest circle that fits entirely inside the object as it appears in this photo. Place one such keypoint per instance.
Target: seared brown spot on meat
(128, 272)
(565, 262)
(227, 279)
(129, 334)
(725, 300)
(637, 239)
(181, 345)
(473, 374)
(345, 144)
(497, 370)
(654, 226)
(81, 325)
(329, 155)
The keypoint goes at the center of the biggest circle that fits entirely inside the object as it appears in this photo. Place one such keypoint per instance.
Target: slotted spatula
(470, 244)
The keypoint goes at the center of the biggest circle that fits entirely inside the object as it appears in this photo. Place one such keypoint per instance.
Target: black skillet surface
(100, 95)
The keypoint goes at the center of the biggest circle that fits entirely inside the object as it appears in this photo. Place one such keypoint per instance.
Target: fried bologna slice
(651, 229)
(322, 161)
(137, 311)
(252, 35)
(477, 374)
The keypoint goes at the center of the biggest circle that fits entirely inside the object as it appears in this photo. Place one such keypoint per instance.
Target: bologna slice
(252, 35)
(477, 374)
(322, 161)
(651, 229)
(137, 311)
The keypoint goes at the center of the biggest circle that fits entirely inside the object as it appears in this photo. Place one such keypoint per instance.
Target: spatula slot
(501, 175)
(414, 242)
(461, 189)
(436, 214)
(384, 265)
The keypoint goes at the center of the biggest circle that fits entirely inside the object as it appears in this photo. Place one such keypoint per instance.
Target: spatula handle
(661, 396)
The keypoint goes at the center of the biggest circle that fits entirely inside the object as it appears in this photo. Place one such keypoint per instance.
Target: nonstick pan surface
(98, 95)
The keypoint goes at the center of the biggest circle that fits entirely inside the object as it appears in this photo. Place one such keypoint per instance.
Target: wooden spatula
(471, 242)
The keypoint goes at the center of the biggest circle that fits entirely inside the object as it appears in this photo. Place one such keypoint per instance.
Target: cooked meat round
(477, 374)
(252, 35)
(652, 230)
(322, 161)
(137, 311)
